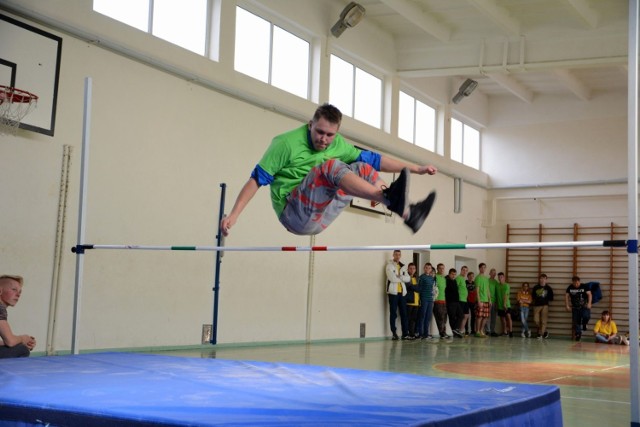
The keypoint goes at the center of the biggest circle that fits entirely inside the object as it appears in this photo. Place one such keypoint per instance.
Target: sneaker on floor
(523, 335)
(510, 334)
(528, 334)
(457, 333)
(539, 337)
(578, 338)
(397, 194)
(395, 337)
(545, 335)
(419, 212)
(494, 334)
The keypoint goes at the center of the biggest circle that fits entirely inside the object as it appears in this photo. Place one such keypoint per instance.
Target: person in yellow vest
(397, 276)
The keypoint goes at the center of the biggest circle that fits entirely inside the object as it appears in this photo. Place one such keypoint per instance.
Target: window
(182, 23)
(270, 54)
(355, 92)
(416, 122)
(465, 144)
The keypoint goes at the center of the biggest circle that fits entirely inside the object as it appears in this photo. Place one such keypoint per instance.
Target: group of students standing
(470, 303)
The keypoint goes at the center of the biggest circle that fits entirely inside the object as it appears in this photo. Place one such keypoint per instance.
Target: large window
(416, 122)
(182, 23)
(355, 92)
(270, 54)
(465, 144)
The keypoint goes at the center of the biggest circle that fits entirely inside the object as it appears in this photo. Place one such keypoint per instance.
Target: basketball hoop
(14, 105)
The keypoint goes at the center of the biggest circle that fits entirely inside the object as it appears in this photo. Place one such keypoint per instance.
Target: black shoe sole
(399, 208)
(419, 212)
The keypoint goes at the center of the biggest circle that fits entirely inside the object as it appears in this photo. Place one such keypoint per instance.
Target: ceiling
(514, 48)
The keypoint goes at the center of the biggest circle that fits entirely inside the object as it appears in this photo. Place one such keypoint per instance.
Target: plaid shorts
(483, 309)
(317, 200)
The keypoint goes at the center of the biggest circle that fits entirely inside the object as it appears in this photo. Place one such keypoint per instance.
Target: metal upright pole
(84, 172)
(632, 194)
(216, 288)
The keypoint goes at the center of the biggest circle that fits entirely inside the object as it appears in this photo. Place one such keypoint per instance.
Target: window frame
(369, 70)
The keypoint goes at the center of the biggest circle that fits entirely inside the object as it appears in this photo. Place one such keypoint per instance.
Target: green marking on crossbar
(449, 246)
(183, 248)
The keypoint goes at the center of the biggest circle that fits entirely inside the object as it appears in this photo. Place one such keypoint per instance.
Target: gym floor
(594, 379)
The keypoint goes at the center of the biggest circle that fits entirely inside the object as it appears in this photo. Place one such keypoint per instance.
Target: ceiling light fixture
(349, 17)
(465, 90)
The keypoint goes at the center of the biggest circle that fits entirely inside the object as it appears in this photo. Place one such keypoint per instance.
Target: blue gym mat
(125, 389)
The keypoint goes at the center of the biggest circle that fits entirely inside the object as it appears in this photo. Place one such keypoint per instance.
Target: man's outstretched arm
(244, 197)
(388, 164)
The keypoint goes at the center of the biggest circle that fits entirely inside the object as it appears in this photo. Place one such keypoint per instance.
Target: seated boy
(12, 345)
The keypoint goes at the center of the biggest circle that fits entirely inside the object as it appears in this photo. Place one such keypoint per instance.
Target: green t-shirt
(441, 283)
(463, 292)
(482, 285)
(503, 289)
(290, 157)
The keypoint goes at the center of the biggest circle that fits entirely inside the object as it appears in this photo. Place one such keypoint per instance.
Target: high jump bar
(79, 249)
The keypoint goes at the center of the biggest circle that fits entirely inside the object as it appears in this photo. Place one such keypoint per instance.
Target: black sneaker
(545, 335)
(394, 337)
(419, 212)
(457, 333)
(397, 194)
(578, 337)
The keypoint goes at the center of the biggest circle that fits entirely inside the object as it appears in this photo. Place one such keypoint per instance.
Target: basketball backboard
(30, 60)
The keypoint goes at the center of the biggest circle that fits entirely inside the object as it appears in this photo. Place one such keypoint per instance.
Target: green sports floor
(594, 379)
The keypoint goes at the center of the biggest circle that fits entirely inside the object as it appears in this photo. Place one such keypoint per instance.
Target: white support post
(84, 172)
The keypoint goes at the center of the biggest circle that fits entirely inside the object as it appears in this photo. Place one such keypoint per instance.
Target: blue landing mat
(122, 389)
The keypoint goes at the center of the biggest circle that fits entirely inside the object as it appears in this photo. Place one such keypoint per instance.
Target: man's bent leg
(314, 204)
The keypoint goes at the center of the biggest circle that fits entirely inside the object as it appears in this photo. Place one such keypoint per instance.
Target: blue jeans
(524, 314)
(398, 303)
(424, 318)
(580, 317)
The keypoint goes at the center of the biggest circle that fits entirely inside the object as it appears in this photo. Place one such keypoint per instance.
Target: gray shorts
(317, 200)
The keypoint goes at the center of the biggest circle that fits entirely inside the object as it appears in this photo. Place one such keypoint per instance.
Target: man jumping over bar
(314, 173)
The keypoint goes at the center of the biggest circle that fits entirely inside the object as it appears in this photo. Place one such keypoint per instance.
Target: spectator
(493, 289)
(463, 294)
(504, 305)
(427, 289)
(453, 303)
(524, 301)
(440, 303)
(397, 276)
(472, 299)
(483, 309)
(542, 295)
(577, 300)
(413, 300)
(606, 331)
(12, 345)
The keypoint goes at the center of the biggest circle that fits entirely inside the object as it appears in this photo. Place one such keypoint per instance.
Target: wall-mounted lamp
(349, 17)
(465, 90)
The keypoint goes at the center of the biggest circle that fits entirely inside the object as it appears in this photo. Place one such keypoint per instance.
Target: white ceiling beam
(498, 14)
(583, 11)
(425, 21)
(620, 61)
(573, 84)
(513, 86)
